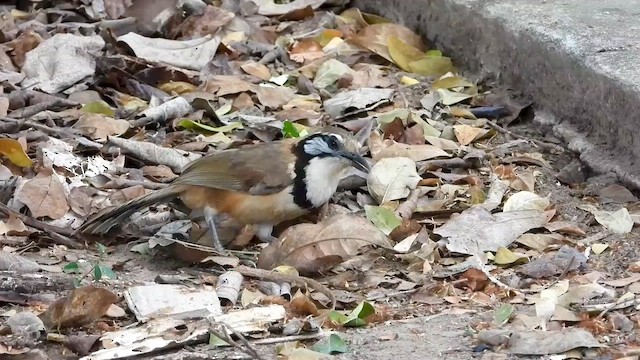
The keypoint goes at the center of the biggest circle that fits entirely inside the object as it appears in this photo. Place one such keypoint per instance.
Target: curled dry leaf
(312, 248)
(61, 61)
(525, 200)
(189, 54)
(476, 230)
(228, 286)
(173, 158)
(392, 178)
(98, 126)
(44, 195)
(413, 152)
(375, 38)
(467, 134)
(82, 307)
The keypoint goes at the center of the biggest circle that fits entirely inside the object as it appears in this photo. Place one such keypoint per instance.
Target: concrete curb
(572, 57)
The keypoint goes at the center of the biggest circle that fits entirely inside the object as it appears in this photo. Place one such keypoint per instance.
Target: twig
(125, 183)
(542, 144)
(246, 347)
(282, 339)
(275, 276)
(59, 235)
(409, 206)
(31, 110)
(393, 294)
(445, 164)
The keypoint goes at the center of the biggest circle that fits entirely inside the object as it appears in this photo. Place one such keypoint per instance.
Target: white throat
(322, 177)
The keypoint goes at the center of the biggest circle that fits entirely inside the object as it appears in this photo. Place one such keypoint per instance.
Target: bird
(260, 184)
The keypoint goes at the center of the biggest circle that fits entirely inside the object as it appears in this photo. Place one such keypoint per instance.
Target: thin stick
(246, 347)
(393, 294)
(542, 144)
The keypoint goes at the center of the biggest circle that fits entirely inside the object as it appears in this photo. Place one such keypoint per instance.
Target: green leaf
(98, 107)
(357, 316)
(338, 318)
(101, 248)
(104, 271)
(206, 129)
(503, 314)
(434, 53)
(71, 268)
(289, 130)
(216, 342)
(383, 218)
(332, 345)
(97, 273)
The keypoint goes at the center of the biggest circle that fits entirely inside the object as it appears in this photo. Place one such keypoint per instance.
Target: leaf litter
(461, 212)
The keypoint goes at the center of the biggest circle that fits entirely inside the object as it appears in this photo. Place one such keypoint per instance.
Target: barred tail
(105, 220)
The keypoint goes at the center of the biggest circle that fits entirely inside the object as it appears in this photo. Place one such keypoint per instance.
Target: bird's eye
(333, 143)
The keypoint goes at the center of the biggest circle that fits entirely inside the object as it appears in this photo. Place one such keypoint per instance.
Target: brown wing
(256, 169)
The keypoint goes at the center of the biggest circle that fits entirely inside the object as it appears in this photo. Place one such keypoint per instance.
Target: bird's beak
(358, 161)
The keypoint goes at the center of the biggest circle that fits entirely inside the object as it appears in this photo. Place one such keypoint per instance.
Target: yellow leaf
(177, 87)
(327, 35)
(505, 256)
(258, 70)
(402, 53)
(405, 80)
(129, 102)
(431, 66)
(375, 38)
(462, 112)
(353, 16)
(14, 152)
(599, 248)
(286, 269)
(374, 19)
(467, 134)
(98, 107)
(451, 82)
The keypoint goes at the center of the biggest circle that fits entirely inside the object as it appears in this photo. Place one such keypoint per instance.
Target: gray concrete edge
(590, 110)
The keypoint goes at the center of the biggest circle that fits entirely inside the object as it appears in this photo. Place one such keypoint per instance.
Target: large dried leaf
(44, 195)
(82, 307)
(413, 152)
(524, 342)
(355, 99)
(376, 38)
(61, 61)
(477, 230)
(402, 53)
(311, 248)
(189, 54)
(392, 179)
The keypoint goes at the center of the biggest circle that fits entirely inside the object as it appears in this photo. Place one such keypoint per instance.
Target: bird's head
(336, 145)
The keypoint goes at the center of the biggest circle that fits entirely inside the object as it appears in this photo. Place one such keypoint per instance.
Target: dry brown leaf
(413, 152)
(564, 227)
(375, 38)
(226, 85)
(274, 97)
(256, 69)
(306, 50)
(311, 248)
(44, 195)
(82, 307)
(13, 226)
(467, 134)
(206, 23)
(99, 127)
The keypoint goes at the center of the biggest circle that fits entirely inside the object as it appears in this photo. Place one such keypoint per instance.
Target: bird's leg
(210, 216)
(263, 231)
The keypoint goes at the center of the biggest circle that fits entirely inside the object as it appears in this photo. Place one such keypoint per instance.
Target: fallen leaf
(467, 134)
(99, 127)
(615, 193)
(599, 248)
(81, 307)
(177, 87)
(431, 66)
(13, 226)
(476, 230)
(329, 72)
(448, 97)
(333, 344)
(413, 152)
(383, 218)
(523, 342)
(539, 242)
(505, 256)
(256, 69)
(375, 38)
(356, 318)
(623, 282)
(44, 195)
(402, 53)
(618, 222)
(356, 99)
(14, 152)
(61, 61)
(191, 54)
(526, 200)
(392, 178)
(316, 247)
(503, 314)
(272, 7)
(306, 50)
(450, 82)
(98, 107)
